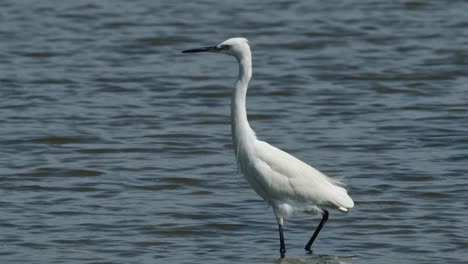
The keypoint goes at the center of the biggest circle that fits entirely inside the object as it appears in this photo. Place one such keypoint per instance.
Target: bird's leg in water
(317, 231)
(282, 246)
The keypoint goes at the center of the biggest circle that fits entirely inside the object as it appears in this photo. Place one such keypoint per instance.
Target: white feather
(285, 182)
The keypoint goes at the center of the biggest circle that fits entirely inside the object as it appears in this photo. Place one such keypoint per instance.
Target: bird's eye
(225, 47)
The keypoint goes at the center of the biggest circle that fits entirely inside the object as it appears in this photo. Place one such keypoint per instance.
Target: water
(115, 147)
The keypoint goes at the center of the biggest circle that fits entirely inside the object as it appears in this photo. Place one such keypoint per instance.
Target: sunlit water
(116, 148)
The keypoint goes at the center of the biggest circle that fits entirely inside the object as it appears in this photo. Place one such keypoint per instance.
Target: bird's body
(282, 180)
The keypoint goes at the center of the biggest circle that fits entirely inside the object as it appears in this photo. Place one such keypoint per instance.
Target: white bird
(283, 181)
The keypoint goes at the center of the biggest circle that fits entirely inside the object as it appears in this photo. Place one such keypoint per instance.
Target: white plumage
(282, 180)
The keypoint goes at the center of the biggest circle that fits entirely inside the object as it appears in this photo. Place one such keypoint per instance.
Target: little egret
(283, 181)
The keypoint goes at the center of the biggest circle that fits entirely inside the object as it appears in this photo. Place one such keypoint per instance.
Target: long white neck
(243, 136)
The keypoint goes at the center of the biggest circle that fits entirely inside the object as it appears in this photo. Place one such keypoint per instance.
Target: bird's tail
(342, 200)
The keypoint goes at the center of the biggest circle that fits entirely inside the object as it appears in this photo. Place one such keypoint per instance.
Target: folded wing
(286, 178)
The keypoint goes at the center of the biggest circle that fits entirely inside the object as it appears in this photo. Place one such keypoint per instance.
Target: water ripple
(116, 148)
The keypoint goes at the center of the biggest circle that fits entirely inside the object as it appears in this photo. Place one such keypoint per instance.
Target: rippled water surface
(116, 148)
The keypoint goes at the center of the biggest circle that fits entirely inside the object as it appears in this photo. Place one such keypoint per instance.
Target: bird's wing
(291, 179)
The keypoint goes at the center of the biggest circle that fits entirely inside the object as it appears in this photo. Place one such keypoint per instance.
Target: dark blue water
(116, 148)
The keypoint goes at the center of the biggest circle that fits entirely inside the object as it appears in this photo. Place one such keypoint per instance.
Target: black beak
(205, 49)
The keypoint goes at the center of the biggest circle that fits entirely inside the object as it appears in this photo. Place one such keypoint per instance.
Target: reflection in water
(317, 259)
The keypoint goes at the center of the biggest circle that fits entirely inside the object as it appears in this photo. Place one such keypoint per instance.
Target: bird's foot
(283, 252)
(308, 250)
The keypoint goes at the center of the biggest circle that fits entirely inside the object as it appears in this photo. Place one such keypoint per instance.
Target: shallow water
(115, 147)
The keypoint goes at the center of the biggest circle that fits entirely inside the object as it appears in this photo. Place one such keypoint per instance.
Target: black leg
(317, 231)
(282, 246)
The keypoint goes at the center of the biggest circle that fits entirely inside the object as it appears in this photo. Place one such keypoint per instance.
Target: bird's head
(237, 47)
